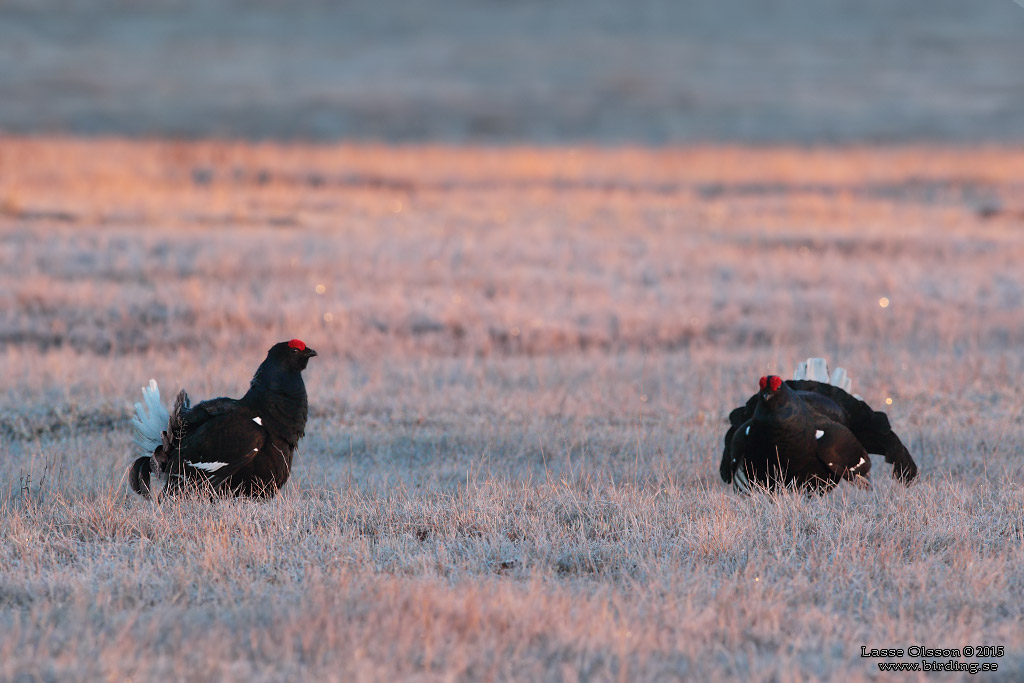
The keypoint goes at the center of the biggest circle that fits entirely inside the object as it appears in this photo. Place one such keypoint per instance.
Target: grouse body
(231, 446)
(810, 434)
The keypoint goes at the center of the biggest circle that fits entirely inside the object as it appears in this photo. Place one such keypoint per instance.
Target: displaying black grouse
(808, 433)
(234, 446)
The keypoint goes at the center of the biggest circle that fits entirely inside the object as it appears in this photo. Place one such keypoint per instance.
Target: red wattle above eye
(297, 344)
(763, 383)
(775, 383)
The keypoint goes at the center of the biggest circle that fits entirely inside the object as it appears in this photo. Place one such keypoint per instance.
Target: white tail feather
(801, 370)
(816, 369)
(841, 379)
(150, 420)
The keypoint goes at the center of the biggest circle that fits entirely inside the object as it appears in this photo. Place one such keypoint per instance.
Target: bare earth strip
(526, 360)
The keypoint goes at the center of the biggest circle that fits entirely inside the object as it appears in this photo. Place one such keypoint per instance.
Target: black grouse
(808, 433)
(240, 446)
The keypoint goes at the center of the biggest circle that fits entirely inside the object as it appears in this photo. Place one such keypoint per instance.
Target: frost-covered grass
(511, 467)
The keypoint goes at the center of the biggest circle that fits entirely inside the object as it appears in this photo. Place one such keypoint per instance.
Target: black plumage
(231, 446)
(809, 434)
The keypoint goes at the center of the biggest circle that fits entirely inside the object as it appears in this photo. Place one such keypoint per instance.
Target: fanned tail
(155, 433)
(150, 421)
(816, 370)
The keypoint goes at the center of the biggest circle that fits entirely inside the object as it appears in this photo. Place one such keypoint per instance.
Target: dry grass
(526, 358)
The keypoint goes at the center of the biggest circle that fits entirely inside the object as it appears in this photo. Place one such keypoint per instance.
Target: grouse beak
(310, 352)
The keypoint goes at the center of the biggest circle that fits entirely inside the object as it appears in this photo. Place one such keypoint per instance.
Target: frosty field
(527, 357)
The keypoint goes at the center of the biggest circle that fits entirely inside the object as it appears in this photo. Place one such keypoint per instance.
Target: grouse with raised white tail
(809, 432)
(240, 446)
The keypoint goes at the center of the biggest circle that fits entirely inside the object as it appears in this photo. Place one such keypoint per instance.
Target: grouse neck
(279, 398)
(272, 382)
(780, 411)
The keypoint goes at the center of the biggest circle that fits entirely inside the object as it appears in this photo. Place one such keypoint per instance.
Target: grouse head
(773, 390)
(291, 355)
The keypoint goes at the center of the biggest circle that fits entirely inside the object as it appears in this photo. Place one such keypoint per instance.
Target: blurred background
(608, 71)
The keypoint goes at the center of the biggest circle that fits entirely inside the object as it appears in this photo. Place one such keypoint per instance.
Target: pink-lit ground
(526, 360)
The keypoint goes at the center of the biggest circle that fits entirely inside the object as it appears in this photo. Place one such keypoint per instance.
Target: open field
(526, 361)
(654, 71)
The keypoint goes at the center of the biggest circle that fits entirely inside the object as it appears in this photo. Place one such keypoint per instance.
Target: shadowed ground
(646, 71)
(526, 361)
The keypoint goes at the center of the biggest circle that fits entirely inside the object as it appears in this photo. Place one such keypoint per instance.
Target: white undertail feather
(150, 420)
(739, 480)
(816, 369)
